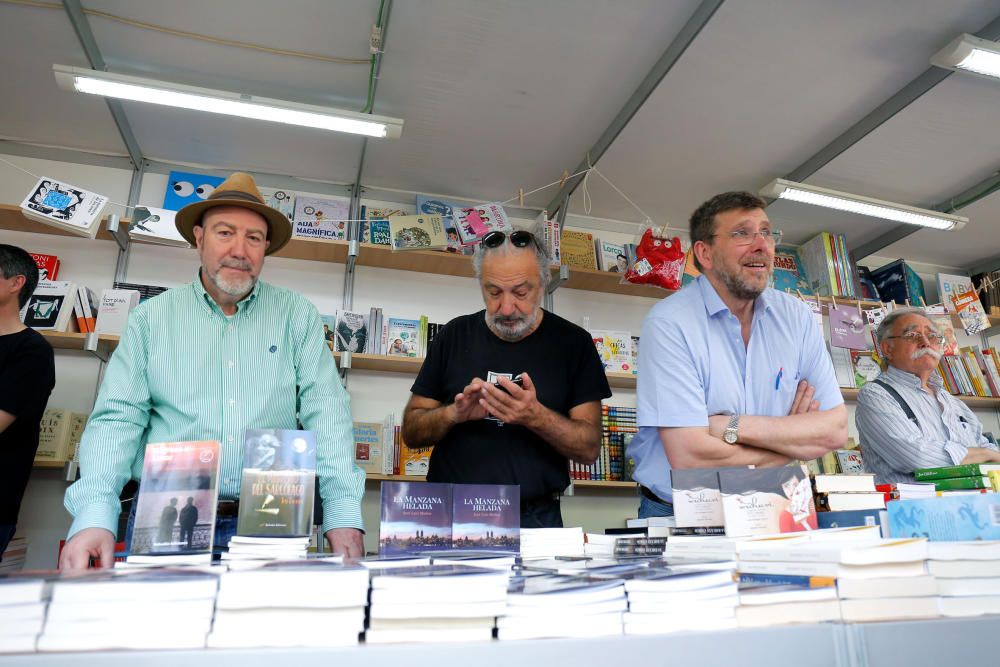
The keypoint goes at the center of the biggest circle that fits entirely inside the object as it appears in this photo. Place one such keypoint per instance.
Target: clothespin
(565, 177)
(858, 303)
(834, 300)
(907, 301)
(799, 292)
(923, 304)
(520, 197)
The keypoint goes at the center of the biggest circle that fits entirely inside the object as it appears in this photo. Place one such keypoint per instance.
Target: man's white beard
(237, 287)
(514, 328)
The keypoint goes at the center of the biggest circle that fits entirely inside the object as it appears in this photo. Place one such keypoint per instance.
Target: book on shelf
(185, 187)
(475, 222)
(156, 225)
(77, 425)
(351, 332)
(948, 286)
(321, 218)
(54, 435)
(112, 315)
(789, 273)
(375, 224)
(50, 307)
(417, 232)
(611, 256)
(865, 366)
(48, 266)
(414, 461)
(278, 483)
(897, 281)
(951, 472)
(614, 348)
(369, 452)
(577, 249)
(970, 312)
(827, 266)
(403, 338)
(847, 327)
(280, 200)
(64, 206)
(146, 292)
(329, 330)
(766, 500)
(445, 208)
(176, 504)
(86, 309)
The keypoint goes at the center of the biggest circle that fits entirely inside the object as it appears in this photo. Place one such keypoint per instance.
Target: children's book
(970, 311)
(186, 187)
(847, 328)
(65, 206)
(473, 223)
(615, 349)
(318, 218)
(789, 274)
(866, 368)
(375, 228)
(404, 338)
(417, 232)
(279, 483)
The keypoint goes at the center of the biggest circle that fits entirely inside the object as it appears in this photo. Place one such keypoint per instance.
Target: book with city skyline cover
(176, 504)
(486, 516)
(279, 480)
(415, 516)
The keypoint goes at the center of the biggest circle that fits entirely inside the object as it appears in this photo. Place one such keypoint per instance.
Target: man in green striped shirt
(207, 361)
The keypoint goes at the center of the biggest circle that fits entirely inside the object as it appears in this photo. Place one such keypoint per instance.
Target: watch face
(729, 436)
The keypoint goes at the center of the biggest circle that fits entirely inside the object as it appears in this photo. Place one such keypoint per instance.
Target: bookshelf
(49, 464)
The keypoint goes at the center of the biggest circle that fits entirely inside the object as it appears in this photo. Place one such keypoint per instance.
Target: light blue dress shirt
(694, 364)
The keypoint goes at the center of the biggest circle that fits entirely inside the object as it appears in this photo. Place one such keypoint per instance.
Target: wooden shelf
(601, 483)
(971, 401)
(375, 477)
(13, 220)
(622, 380)
(49, 464)
(609, 283)
(381, 362)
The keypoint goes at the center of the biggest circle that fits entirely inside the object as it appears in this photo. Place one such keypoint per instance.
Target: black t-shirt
(27, 375)
(563, 364)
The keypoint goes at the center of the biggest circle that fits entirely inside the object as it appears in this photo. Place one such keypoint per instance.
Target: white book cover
(156, 225)
(615, 349)
(51, 306)
(116, 304)
(611, 256)
(317, 218)
(65, 206)
(950, 285)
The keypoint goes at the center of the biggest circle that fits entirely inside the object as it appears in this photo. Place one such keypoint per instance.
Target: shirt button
(230, 440)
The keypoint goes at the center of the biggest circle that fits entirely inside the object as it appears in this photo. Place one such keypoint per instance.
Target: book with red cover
(48, 266)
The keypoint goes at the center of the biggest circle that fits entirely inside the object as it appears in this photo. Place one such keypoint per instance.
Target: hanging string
(531, 192)
(124, 207)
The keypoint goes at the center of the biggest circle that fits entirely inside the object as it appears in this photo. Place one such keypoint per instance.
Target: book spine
(698, 530)
(963, 483)
(946, 472)
(787, 580)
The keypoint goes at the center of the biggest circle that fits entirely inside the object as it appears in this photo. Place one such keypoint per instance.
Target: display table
(933, 643)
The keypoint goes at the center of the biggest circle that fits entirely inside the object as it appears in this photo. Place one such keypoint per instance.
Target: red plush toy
(659, 262)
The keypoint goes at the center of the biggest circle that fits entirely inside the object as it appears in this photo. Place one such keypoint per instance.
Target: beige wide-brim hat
(237, 190)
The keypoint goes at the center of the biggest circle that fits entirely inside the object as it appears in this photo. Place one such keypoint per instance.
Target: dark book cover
(486, 516)
(279, 480)
(415, 516)
(175, 512)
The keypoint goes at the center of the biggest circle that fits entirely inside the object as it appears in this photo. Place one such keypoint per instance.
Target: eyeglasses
(518, 239)
(742, 237)
(915, 336)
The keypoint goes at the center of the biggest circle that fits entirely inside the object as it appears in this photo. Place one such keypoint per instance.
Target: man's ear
(199, 234)
(703, 253)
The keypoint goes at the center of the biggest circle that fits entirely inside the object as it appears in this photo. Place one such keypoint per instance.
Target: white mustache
(926, 351)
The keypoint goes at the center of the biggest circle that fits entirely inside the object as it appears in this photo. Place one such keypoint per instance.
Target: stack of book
(22, 612)
(14, 555)
(282, 604)
(828, 266)
(618, 423)
(563, 606)
(551, 542)
(847, 492)
(880, 598)
(968, 576)
(963, 477)
(139, 609)
(971, 371)
(674, 598)
(266, 548)
(764, 604)
(599, 545)
(436, 603)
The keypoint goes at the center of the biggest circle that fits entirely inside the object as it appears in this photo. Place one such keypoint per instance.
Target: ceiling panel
(765, 86)
(34, 109)
(501, 96)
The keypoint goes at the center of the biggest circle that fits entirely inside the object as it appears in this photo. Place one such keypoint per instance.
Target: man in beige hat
(207, 361)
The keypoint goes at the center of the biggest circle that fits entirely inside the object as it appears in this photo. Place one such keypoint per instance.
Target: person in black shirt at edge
(27, 375)
(486, 428)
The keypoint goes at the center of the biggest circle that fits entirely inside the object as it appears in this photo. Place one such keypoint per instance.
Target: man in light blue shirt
(206, 362)
(733, 373)
(943, 431)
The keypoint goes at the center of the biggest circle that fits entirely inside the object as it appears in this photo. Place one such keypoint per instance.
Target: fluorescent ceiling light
(971, 54)
(876, 208)
(139, 89)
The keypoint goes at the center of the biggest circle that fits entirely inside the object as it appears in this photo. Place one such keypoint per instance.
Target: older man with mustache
(508, 394)
(905, 418)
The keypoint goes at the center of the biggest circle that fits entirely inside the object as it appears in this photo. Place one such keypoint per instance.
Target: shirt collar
(909, 379)
(204, 297)
(715, 305)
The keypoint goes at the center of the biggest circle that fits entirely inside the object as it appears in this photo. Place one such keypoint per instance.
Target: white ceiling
(498, 96)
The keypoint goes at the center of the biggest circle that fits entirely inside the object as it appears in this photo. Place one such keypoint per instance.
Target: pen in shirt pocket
(777, 378)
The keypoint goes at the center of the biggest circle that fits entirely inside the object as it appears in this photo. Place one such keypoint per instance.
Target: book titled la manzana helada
(486, 516)
(279, 482)
(176, 506)
(416, 516)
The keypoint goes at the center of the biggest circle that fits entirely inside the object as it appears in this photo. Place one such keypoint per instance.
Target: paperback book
(48, 266)
(415, 516)
(445, 208)
(65, 207)
(417, 232)
(351, 332)
(614, 349)
(789, 274)
(404, 337)
(764, 501)
(473, 223)
(611, 256)
(318, 218)
(50, 307)
(486, 516)
(112, 315)
(369, 452)
(697, 500)
(184, 187)
(278, 485)
(847, 328)
(375, 228)
(156, 225)
(175, 512)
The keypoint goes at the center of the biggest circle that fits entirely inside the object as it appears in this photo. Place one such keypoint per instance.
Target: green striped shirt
(185, 371)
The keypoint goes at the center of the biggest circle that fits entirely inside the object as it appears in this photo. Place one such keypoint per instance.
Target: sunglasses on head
(518, 239)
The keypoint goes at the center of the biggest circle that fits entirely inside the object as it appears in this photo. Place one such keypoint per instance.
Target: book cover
(486, 516)
(614, 349)
(766, 500)
(279, 200)
(156, 225)
(697, 500)
(847, 327)
(414, 461)
(186, 187)
(789, 274)
(896, 281)
(970, 312)
(848, 518)
(77, 425)
(949, 285)
(319, 218)
(116, 304)
(578, 249)
(946, 328)
(65, 206)
(415, 516)
(950, 472)
(54, 435)
(403, 337)
(368, 449)
(329, 330)
(866, 368)
(417, 232)
(376, 226)
(50, 307)
(611, 256)
(849, 460)
(947, 518)
(690, 270)
(351, 332)
(278, 484)
(48, 266)
(473, 223)
(963, 484)
(176, 506)
(818, 263)
(445, 208)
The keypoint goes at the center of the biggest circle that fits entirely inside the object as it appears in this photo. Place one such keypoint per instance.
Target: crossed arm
(576, 436)
(805, 433)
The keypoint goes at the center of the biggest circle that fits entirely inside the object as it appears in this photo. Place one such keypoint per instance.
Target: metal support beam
(673, 53)
(82, 27)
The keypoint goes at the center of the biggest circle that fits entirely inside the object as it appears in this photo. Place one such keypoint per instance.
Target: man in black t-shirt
(27, 375)
(486, 428)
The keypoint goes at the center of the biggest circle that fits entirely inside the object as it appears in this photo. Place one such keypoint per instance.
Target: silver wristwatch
(730, 435)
